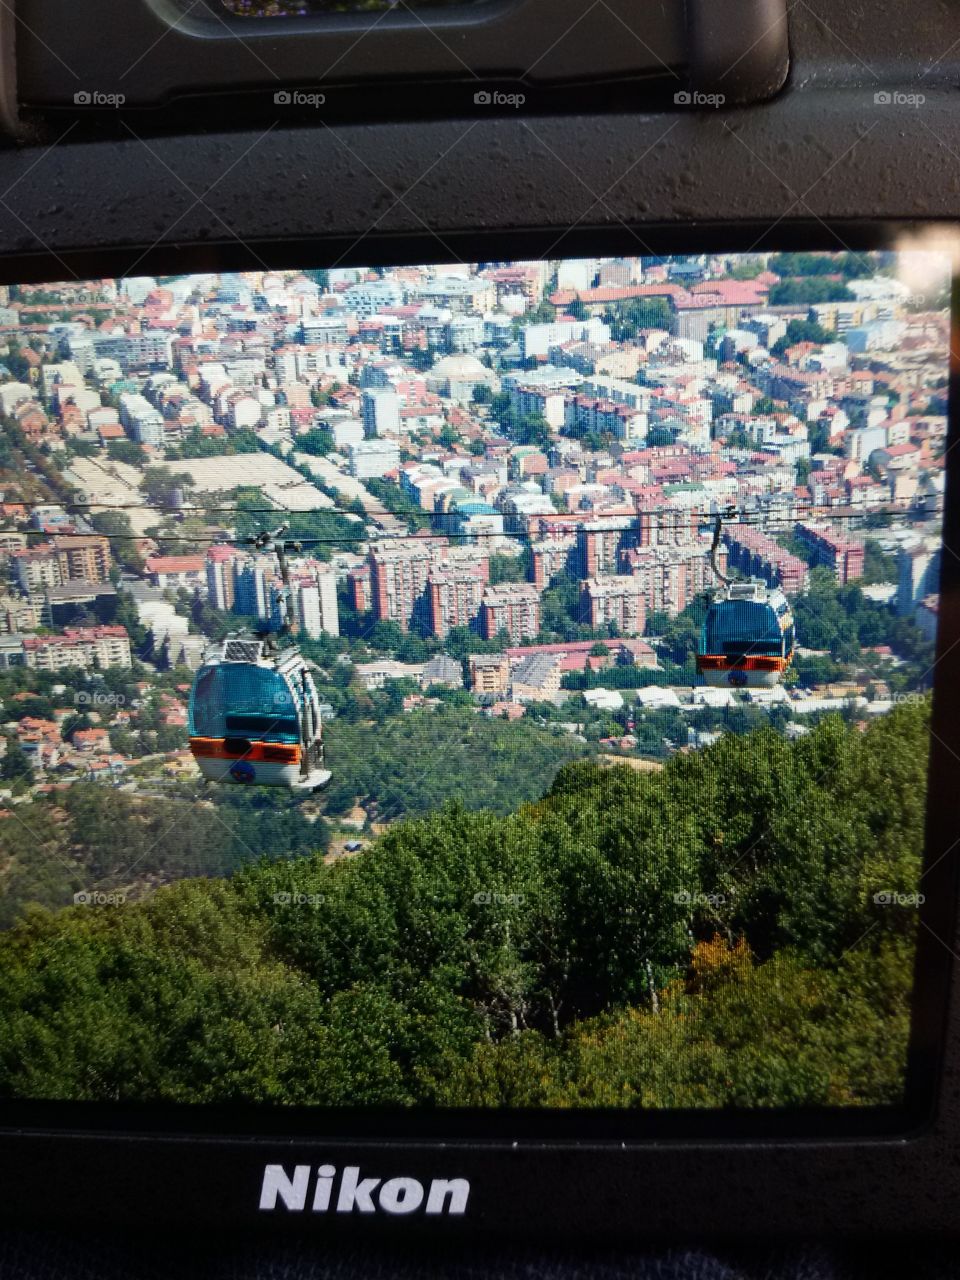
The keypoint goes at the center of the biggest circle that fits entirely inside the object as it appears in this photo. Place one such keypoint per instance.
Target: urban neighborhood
(504, 480)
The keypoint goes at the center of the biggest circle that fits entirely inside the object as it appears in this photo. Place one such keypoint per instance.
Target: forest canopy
(726, 931)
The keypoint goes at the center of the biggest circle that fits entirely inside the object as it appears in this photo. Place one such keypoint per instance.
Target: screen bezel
(942, 859)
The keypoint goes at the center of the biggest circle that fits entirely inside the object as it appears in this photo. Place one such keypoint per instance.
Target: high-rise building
(37, 567)
(600, 542)
(370, 459)
(756, 555)
(844, 556)
(398, 577)
(360, 586)
(918, 577)
(78, 647)
(250, 593)
(150, 350)
(64, 559)
(141, 420)
(537, 678)
(668, 527)
(381, 412)
(453, 598)
(511, 607)
(220, 577)
(315, 604)
(85, 559)
(670, 577)
(617, 600)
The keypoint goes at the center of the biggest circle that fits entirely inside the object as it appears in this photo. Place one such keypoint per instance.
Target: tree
(73, 723)
(15, 766)
(803, 291)
(802, 331)
(878, 566)
(123, 541)
(127, 451)
(532, 428)
(850, 265)
(627, 319)
(709, 935)
(320, 277)
(505, 568)
(317, 441)
(746, 268)
(161, 485)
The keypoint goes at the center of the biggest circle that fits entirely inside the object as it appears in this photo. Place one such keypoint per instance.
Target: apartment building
(398, 577)
(844, 556)
(513, 608)
(618, 600)
(601, 542)
(453, 598)
(63, 559)
(78, 647)
(489, 673)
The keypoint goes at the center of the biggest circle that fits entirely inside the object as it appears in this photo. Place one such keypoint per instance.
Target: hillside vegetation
(704, 936)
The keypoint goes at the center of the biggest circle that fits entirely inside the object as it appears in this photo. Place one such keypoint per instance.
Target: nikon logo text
(356, 1194)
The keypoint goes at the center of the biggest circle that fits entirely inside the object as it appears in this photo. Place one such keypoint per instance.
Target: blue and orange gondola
(747, 639)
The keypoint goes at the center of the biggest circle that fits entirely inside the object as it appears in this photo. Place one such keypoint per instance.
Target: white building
(346, 431)
(373, 458)
(603, 699)
(918, 576)
(141, 419)
(381, 412)
(316, 605)
(537, 339)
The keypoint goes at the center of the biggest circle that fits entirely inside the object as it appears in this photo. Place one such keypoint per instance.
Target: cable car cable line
(745, 521)
(78, 508)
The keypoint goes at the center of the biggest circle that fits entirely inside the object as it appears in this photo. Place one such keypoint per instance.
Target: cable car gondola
(254, 711)
(747, 638)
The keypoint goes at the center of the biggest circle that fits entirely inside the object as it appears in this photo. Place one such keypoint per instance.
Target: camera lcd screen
(470, 687)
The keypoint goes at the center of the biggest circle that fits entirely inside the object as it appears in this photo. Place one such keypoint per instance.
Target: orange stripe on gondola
(756, 662)
(262, 752)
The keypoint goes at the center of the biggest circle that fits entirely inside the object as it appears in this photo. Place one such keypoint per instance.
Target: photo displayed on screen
(470, 686)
